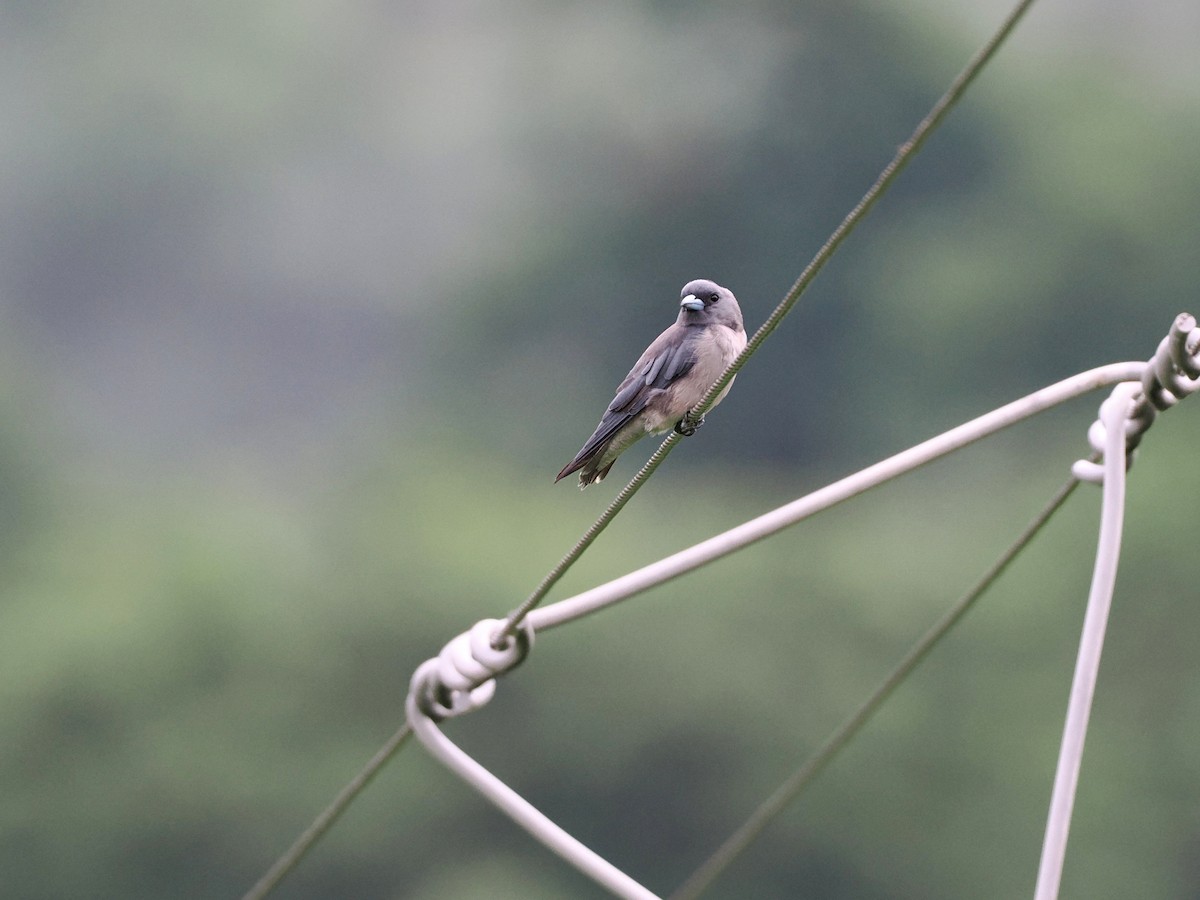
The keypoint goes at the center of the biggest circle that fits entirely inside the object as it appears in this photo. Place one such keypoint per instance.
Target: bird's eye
(713, 298)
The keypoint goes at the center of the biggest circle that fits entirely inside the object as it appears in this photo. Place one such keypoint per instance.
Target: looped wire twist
(1171, 374)
(462, 677)
(1174, 371)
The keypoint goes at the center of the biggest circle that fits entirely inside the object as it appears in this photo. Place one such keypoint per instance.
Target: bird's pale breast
(711, 359)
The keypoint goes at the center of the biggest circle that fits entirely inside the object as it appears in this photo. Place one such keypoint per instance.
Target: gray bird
(670, 378)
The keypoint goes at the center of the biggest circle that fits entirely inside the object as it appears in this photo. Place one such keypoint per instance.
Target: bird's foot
(688, 424)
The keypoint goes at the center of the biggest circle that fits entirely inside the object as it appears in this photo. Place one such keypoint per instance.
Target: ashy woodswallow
(669, 379)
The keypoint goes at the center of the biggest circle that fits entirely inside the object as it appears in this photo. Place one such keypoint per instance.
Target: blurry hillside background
(302, 305)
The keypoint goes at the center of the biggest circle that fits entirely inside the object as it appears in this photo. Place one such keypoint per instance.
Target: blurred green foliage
(303, 306)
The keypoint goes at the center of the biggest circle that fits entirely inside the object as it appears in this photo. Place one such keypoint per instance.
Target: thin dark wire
(516, 616)
(708, 871)
(904, 154)
(328, 816)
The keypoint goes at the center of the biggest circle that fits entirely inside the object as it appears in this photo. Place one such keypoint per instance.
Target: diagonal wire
(516, 807)
(721, 858)
(904, 155)
(518, 615)
(328, 816)
(775, 520)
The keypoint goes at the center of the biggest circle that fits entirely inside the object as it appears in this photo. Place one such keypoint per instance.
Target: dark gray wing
(668, 359)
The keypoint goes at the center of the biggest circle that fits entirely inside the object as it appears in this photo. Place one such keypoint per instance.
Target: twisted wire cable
(328, 817)
(904, 155)
(462, 678)
(1171, 374)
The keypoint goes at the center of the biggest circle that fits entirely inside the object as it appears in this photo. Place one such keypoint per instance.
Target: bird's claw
(687, 425)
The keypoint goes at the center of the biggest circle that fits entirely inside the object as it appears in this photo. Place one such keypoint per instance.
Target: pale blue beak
(692, 302)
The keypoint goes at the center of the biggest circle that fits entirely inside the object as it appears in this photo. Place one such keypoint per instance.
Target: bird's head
(704, 302)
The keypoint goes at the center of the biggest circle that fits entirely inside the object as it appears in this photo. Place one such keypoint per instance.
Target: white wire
(519, 809)
(765, 525)
(1113, 414)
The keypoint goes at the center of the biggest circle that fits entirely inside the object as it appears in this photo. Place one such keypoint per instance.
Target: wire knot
(1174, 370)
(1171, 374)
(462, 677)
